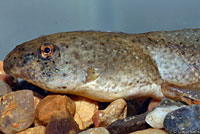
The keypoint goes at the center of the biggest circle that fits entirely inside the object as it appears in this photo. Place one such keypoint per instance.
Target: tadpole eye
(47, 50)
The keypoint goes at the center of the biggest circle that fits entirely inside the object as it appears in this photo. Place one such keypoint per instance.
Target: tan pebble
(85, 109)
(99, 130)
(34, 130)
(116, 110)
(36, 101)
(51, 105)
(153, 103)
(1, 68)
(150, 131)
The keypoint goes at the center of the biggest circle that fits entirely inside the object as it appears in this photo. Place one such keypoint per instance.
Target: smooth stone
(150, 131)
(4, 88)
(127, 125)
(156, 117)
(99, 130)
(34, 130)
(16, 111)
(153, 103)
(116, 110)
(62, 123)
(1, 68)
(184, 120)
(51, 105)
(85, 109)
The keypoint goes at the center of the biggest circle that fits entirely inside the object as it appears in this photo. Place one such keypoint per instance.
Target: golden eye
(47, 50)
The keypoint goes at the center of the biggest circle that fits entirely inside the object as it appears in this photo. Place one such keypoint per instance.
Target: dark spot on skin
(180, 43)
(102, 43)
(133, 41)
(21, 58)
(73, 38)
(64, 75)
(150, 39)
(46, 63)
(56, 69)
(89, 62)
(32, 53)
(53, 62)
(162, 40)
(76, 55)
(130, 84)
(64, 87)
(23, 49)
(83, 42)
(48, 74)
(24, 62)
(197, 40)
(66, 46)
(66, 62)
(37, 61)
(15, 58)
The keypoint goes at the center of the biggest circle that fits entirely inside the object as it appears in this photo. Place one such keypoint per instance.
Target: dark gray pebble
(129, 124)
(185, 120)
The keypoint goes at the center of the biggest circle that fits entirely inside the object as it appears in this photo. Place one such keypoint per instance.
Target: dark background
(23, 20)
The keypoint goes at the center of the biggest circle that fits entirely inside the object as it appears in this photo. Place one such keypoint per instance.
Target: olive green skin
(105, 66)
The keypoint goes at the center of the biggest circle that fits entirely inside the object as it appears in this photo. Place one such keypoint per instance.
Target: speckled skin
(105, 66)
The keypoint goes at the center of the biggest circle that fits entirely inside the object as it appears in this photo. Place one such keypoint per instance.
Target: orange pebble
(1, 68)
(154, 103)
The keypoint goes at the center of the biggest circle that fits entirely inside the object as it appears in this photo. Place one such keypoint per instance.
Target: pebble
(37, 99)
(150, 131)
(99, 130)
(7, 78)
(116, 110)
(34, 130)
(51, 105)
(62, 123)
(4, 88)
(156, 117)
(184, 120)
(129, 124)
(16, 111)
(153, 103)
(85, 109)
(1, 68)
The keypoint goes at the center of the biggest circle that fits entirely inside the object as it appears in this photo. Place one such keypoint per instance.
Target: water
(23, 20)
